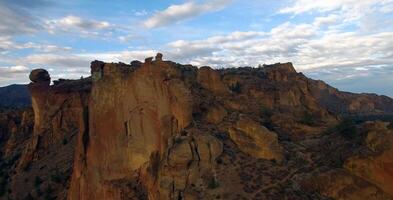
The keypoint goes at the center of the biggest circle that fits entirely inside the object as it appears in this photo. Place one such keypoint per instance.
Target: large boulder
(39, 75)
(216, 114)
(210, 79)
(256, 140)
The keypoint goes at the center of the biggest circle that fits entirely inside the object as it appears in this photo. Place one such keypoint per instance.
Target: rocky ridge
(161, 130)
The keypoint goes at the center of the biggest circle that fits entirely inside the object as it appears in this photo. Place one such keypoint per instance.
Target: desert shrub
(3, 184)
(39, 192)
(266, 111)
(27, 167)
(390, 126)
(236, 88)
(57, 177)
(347, 128)
(48, 193)
(308, 119)
(266, 114)
(2, 189)
(37, 181)
(65, 141)
(29, 197)
(213, 183)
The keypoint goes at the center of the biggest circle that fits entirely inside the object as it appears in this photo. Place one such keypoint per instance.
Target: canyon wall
(161, 130)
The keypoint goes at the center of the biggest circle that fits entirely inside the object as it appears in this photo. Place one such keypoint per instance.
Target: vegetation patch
(213, 183)
(308, 119)
(236, 88)
(37, 181)
(347, 128)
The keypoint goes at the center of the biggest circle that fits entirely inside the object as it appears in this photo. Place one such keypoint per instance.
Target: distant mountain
(16, 95)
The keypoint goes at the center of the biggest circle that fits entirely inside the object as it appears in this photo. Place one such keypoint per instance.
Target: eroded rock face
(133, 113)
(338, 184)
(161, 130)
(378, 166)
(211, 80)
(256, 140)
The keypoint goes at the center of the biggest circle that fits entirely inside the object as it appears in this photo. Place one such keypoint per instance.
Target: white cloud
(77, 24)
(306, 45)
(13, 74)
(301, 6)
(119, 56)
(328, 20)
(140, 13)
(16, 17)
(56, 60)
(14, 69)
(176, 13)
(6, 43)
(45, 48)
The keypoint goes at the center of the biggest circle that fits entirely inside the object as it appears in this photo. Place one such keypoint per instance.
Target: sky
(346, 43)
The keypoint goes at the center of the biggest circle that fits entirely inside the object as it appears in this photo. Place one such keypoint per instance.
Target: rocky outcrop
(377, 167)
(256, 140)
(211, 80)
(339, 184)
(161, 130)
(45, 155)
(349, 103)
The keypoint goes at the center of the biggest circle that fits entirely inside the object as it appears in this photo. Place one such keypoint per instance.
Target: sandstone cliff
(161, 130)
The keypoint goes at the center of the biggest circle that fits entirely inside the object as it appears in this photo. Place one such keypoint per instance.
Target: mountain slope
(15, 96)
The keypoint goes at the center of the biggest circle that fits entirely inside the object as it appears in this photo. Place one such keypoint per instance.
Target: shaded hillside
(15, 96)
(161, 130)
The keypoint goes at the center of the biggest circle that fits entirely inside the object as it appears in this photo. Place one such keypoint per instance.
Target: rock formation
(162, 130)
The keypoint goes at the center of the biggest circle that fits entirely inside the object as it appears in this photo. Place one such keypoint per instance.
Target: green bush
(65, 141)
(347, 128)
(37, 181)
(236, 88)
(57, 177)
(29, 197)
(213, 183)
(266, 112)
(27, 167)
(308, 119)
(39, 192)
(48, 193)
(3, 184)
(390, 126)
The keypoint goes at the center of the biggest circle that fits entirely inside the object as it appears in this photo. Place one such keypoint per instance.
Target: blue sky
(347, 43)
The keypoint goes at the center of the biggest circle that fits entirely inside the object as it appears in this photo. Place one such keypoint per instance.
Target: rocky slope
(161, 130)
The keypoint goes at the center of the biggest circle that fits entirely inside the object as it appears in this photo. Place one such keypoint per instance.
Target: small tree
(308, 119)
(213, 183)
(236, 88)
(390, 126)
(37, 181)
(65, 141)
(347, 128)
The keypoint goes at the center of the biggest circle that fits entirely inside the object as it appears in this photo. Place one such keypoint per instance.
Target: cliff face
(161, 130)
(43, 157)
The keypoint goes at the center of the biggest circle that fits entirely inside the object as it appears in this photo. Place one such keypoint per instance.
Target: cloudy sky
(347, 43)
